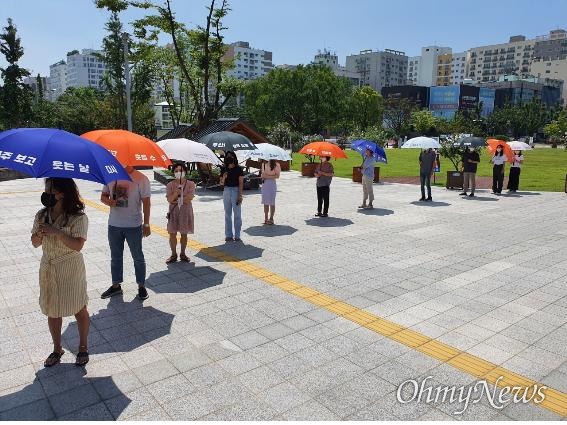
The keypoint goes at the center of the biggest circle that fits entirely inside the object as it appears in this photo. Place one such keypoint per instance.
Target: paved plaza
(310, 319)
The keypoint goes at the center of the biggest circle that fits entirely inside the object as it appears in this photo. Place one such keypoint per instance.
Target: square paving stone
(39, 410)
(73, 400)
(170, 388)
(153, 372)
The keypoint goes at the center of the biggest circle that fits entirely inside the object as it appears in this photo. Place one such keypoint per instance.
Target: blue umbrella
(48, 152)
(361, 145)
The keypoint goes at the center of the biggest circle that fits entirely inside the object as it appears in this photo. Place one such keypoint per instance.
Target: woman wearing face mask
(499, 159)
(232, 177)
(61, 230)
(515, 168)
(270, 172)
(470, 161)
(324, 173)
(180, 193)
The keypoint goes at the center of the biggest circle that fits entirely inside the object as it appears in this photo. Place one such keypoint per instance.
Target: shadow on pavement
(240, 250)
(270, 230)
(122, 327)
(376, 211)
(63, 392)
(328, 222)
(478, 198)
(430, 204)
(182, 278)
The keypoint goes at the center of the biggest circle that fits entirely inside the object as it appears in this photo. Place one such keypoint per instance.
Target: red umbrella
(323, 149)
(494, 143)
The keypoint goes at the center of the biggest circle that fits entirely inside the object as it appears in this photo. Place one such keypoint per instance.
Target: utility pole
(128, 82)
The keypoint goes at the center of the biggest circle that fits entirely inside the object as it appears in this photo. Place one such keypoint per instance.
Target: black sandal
(82, 357)
(53, 359)
(171, 259)
(184, 258)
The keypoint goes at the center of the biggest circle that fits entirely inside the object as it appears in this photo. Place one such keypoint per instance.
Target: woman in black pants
(515, 168)
(499, 159)
(324, 174)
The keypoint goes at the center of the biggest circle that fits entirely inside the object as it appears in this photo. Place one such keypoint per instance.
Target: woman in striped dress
(61, 230)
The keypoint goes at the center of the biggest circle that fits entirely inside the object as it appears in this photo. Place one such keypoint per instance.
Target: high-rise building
(330, 59)
(556, 69)
(84, 69)
(57, 80)
(488, 63)
(552, 46)
(428, 69)
(414, 67)
(249, 63)
(379, 69)
(458, 67)
(34, 85)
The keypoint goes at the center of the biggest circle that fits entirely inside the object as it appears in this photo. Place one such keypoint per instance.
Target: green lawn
(544, 168)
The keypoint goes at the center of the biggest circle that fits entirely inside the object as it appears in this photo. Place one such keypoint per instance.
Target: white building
(556, 69)
(414, 66)
(57, 80)
(34, 86)
(325, 57)
(379, 69)
(428, 64)
(84, 69)
(458, 68)
(249, 63)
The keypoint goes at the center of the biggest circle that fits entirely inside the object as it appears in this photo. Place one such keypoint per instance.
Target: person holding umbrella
(232, 178)
(180, 193)
(60, 228)
(515, 169)
(270, 172)
(470, 161)
(427, 160)
(324, 173)
(367, 169)
(498, 161)
(127, 199)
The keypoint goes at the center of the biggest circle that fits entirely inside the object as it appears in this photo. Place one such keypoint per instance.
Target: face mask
(48, 200)
(471, 149)
(498, 150)
(178, 175)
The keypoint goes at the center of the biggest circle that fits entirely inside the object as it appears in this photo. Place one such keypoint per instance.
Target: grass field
(544, 168)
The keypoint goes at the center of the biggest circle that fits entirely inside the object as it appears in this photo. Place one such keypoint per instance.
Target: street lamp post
(128, 82)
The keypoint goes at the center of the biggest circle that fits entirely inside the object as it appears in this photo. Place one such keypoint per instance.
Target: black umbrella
(227, 141)
(475, 142)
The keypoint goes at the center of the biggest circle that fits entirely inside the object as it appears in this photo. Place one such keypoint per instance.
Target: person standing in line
(368, 179)
(270, 172)
(232, 178)
(515, 169)
(126, 200)
(499, 159)
(180, 193)
(470, 160)
(61, 230)
(324, 173)
(427, 160)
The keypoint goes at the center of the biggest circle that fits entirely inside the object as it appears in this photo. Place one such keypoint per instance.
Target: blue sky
(295, 29)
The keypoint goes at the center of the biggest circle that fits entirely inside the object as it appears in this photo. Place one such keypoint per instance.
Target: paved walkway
(308, 319)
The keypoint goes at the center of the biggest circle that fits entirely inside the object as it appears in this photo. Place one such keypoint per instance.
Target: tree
(80, 110)
(282, 135)
(424, 122)
(199, 52)
(375, 133)
(556, 130)
(16, 96)
(397, 115)
(308, 98)
(365, 107)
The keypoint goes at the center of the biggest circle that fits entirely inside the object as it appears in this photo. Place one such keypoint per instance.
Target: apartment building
(249, 63)
(379, 69)
(331, 59)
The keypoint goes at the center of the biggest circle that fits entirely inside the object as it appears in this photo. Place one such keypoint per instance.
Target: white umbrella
(515, 145)
(265, 151)
(188, 151)
(421, 143)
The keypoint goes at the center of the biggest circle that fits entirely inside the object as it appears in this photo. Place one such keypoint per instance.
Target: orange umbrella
(323, 149)
(130, 148)
(493, 143)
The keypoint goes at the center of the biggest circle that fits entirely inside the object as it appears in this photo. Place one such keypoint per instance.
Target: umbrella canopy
(188, 151)
(265, 151)
(494, 143)
(361, 145)
(516, 145)
(469, 141)
(130, 148)
(227, 141)
(48, 152)
(323, 149)
(421, 143)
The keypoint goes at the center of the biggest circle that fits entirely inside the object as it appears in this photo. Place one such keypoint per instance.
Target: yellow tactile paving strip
(555, 401)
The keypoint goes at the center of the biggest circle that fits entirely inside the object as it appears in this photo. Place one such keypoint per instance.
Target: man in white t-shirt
(125, 223)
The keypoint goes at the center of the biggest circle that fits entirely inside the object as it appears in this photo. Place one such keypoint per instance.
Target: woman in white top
(499, 159)
(515, 168)
(270, 172)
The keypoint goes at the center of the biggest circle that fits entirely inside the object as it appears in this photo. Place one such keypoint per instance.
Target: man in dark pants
(324, 174)
(470, 160)
(426, 163)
